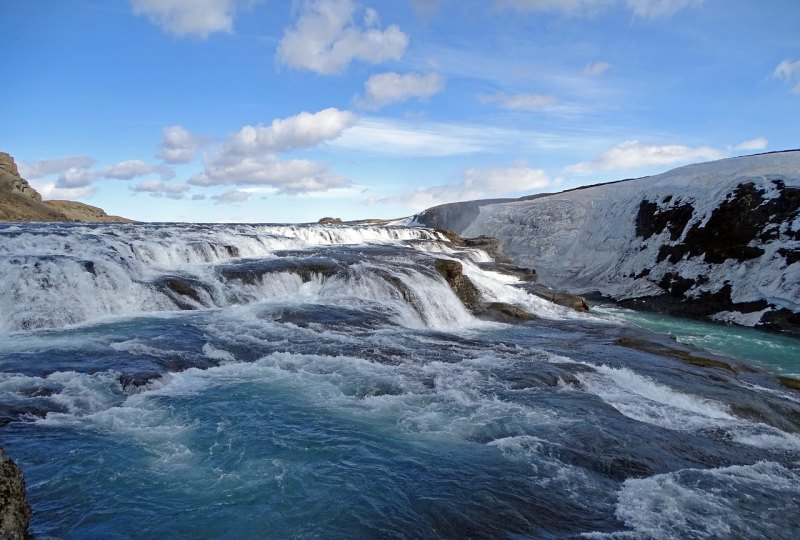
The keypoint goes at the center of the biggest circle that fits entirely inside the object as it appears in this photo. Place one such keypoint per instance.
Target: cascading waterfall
(55, 275)
(306, 380)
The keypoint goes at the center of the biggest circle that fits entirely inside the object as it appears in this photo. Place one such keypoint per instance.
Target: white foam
(715, 503)
(643, 399)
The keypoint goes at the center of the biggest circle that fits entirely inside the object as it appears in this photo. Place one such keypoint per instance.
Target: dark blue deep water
(190, 381)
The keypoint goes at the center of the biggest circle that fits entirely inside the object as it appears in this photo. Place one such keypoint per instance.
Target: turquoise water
(773, 352)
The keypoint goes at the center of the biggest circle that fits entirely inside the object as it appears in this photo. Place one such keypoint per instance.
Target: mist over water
(310, 381)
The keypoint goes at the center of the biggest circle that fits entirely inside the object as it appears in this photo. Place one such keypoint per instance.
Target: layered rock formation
(20, 202)
(718, 240)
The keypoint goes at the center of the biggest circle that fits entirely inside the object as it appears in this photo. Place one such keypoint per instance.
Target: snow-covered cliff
(718, 239)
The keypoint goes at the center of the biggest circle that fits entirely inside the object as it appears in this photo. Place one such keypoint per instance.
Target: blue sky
(278, 110)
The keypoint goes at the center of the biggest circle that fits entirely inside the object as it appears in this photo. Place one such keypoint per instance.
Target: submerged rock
(573, 301)
(15, 511)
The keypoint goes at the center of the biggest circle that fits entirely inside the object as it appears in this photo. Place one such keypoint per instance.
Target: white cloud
(232, 196)
(303, 130)
(249, 157)
(387, 88)
(404, 138)
(198, 197)
(184, 17)
(148, 186)
(650, 9)
(325, 38)
(158, 188)
(45, 167)
(50, 191)
(595, 69)
(76, 177)
(789, 70)
(291, 177)
(132, 168)
(478, 183)
(178, 145)
(759, 143)
(634, 154)
(522, 102)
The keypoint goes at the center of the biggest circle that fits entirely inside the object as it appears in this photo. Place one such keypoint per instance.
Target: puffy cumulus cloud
(789, 70)
(325, 38)
(650, 9)
(50, 191)
(759, 143)
(232, 196)
(76, 177)
(478, 183)
(188, 17)
(634, 154)
(522, 102)
(178, 145)
(132, 168)
(158, 188)
(303, 130)
(595, 69)
(248, 157)
(387, 88)
(46, 167)
(288, 177)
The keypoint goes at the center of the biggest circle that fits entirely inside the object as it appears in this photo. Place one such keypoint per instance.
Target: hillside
(717, 240)
(20, 202)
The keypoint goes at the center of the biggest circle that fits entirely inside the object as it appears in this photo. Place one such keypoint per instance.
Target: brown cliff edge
(20, 202)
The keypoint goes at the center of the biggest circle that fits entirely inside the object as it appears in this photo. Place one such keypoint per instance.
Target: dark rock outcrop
(452, 271)
(15, 512)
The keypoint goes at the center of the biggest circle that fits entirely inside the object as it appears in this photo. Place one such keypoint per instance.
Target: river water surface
(257, 381)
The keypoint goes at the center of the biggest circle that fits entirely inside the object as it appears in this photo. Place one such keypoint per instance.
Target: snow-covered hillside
(718, 239)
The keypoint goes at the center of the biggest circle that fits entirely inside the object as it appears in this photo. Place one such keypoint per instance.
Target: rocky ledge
(15, 512)
(20, 202)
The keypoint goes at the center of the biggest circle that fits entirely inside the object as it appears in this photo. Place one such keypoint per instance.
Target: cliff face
(20, 202)
(716, 240)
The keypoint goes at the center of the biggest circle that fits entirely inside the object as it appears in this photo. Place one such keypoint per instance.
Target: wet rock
(789, 382)
(573, 301)
(251, 272)
(133, 381)
(681, 354)
(182, 289)
(15, 511)
(452, 271)
(503, 312)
